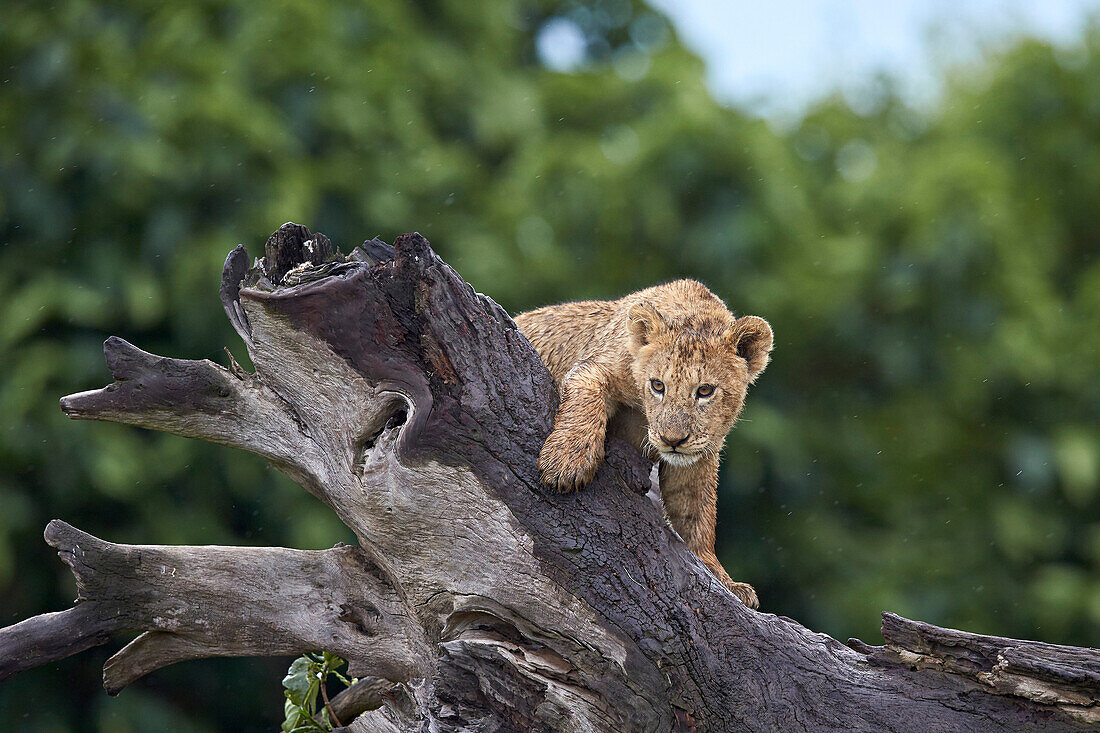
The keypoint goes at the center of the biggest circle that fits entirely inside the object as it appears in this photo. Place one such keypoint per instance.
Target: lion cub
(666, 368)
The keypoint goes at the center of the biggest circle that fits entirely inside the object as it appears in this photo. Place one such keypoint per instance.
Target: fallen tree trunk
(477, 598)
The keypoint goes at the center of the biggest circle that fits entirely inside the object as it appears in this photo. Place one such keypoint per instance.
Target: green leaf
(293, 716)
(299, 680)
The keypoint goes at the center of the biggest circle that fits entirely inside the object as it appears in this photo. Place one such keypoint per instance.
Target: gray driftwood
(477, 600)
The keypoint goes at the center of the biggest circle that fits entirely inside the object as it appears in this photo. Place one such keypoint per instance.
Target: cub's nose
(674, 441)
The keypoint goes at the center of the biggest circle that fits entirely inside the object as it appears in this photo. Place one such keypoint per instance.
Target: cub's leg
(573, 452)
(690, 496)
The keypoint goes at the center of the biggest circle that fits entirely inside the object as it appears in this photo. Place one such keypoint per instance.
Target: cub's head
(693, 377)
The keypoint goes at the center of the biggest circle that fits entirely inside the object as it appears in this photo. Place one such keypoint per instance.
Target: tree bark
(478, 599)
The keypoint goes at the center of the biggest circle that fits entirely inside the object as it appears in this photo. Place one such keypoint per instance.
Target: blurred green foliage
(927, 439)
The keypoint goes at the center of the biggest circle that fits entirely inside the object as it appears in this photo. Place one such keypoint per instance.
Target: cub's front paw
(745, 593)
(567, 462)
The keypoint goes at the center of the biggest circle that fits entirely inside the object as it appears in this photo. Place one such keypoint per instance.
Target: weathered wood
(218, 601)
(365, 694)
(1065, 676)
(52, 636)
(413, 407)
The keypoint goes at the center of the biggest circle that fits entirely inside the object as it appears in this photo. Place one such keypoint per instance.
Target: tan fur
(604, 354)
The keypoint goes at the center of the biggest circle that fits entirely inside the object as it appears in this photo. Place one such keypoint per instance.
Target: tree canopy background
(926, 440)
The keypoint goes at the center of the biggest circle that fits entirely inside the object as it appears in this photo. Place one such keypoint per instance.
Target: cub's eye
(705, 390)
(657, 386)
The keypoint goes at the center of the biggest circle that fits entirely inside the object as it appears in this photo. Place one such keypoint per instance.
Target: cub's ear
(751, 338)
(645, 324)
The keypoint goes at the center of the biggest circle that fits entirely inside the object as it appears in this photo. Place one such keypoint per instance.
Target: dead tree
(477, 599)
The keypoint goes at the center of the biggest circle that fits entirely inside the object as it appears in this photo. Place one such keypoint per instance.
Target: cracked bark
(477, 599)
